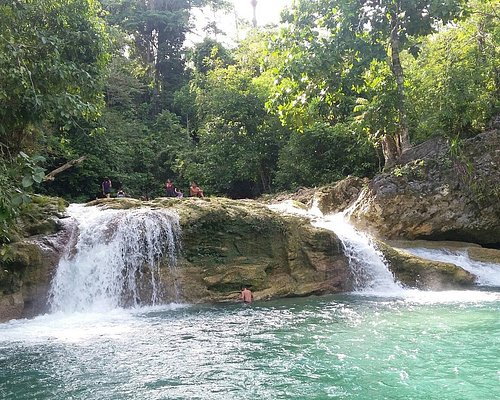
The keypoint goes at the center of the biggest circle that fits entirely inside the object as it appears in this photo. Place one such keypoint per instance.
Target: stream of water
(112, 253)
(380, 342)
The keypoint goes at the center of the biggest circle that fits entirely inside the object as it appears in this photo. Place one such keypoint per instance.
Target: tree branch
(51, 175)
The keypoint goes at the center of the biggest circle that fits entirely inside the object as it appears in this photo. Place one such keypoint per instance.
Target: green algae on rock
(420, 273)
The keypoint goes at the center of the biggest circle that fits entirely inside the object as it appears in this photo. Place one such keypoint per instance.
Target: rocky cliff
(27, 264)
(442, 191)
(227, 244)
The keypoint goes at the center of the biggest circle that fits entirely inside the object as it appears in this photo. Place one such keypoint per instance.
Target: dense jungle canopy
(341, 87)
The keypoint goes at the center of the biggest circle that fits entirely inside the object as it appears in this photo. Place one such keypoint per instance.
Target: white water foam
(488, 274)
(460, 297)
(371, 274)
(115, 259)
(368, 266)
(80, 327)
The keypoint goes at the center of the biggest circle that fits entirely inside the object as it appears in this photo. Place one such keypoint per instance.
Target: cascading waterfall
(368, 267)
(369, 271)
(487, 274)
(114, 259)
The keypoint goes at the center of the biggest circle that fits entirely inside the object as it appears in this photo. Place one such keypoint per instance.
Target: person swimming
(246, 295)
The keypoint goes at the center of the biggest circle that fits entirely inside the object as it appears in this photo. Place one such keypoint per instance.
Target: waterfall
(114, 258)
(487, 274)
(369, 270)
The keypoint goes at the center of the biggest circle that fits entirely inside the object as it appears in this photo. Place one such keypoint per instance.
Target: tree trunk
(391, 151)
(397, 70)
(266, 187)
(51, 175)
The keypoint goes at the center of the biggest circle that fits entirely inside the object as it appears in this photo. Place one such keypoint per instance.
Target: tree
(52, 56)
(238, 139)
(210, 54)
(324, 154)
(454, 84)
(158, 30)
(394, 22)
(330, 43)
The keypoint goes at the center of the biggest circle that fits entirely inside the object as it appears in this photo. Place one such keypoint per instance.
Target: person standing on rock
(106, 187)
(170, 189)
(246, 295)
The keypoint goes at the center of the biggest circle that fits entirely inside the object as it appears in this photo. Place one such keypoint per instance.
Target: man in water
(246, 295)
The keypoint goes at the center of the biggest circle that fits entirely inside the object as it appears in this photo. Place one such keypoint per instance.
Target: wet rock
(448, 194)
(227, 244)
(28, 262)
(342, 195)
(416, 272)
(473, 250)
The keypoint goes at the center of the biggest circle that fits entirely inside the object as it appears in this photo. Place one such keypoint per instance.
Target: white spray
(370, 273)
(487, 274)
(115, 260)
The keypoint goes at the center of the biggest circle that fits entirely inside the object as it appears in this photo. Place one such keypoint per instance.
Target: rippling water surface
(426, 346)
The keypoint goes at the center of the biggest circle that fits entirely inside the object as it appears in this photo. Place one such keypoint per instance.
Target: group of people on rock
(170, 189)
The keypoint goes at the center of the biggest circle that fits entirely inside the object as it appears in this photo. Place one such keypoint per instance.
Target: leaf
(17, 200)
(38, 177)
(27, 181)
(38, 159)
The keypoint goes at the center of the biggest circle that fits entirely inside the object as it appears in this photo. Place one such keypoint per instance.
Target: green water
(335, 347)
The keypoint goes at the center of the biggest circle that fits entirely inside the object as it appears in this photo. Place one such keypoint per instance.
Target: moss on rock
(41, 216)
(419, 273)
(26, 264)
(228, 243)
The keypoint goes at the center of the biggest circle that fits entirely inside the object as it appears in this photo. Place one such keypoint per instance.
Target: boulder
(340, 196)
(473, 250)
(416, 272)
(227, 244)
(28, 262)
(449, 194)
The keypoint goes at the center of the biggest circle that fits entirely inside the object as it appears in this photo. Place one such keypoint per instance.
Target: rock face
(444, 193)
(26, 269)
(416, 272)
(230, 243)
(225, 244)
(342, 195)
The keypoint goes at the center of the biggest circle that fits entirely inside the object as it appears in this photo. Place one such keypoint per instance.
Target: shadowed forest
(340, 88)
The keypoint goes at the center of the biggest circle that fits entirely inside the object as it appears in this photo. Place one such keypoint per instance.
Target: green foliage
(158, 30)
(413, 170)
(238, 141)
(324, 154)
(17, 177)
(330, 80)
(210, 54)
(376, 113)
(51, 56)
(324, 60)
(126, 86)
(328, 47)
(454, 84)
